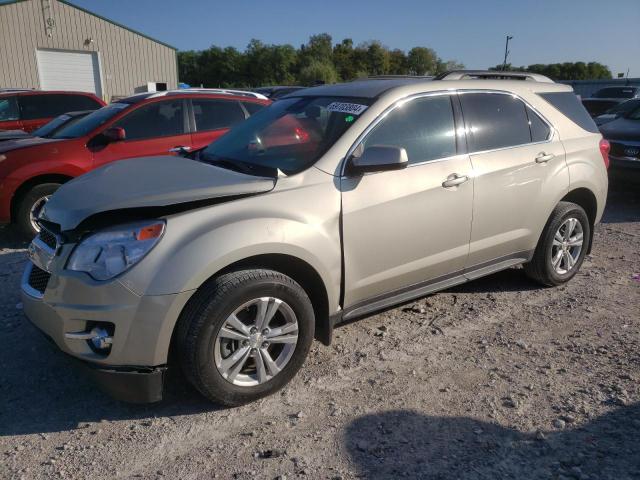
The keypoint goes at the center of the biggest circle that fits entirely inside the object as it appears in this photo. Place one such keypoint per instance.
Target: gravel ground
(498, 378)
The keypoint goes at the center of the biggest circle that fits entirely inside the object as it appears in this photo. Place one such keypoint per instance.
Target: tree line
(320, 60)
(564, 71)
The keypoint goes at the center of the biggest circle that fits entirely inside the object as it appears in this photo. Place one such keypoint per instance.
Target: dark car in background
(47, 129)
(146, 124)
(275, 92)
(617, 111)
(608, 97)
(624, 137)
(28, 110)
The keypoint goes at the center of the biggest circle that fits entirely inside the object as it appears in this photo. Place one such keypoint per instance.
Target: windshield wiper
(229, 164)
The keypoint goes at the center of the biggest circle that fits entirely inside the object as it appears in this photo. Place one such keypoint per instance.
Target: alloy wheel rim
(567, 246)
(36, 208)
(256, 342)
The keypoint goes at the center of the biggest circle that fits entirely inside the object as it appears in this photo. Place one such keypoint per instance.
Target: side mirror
(115, 134)
(379, 158)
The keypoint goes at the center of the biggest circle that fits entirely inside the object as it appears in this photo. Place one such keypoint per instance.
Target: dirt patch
(494, 379)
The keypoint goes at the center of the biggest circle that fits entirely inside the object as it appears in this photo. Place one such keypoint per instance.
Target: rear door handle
(179, 149)
(454, 180)
(543, 157)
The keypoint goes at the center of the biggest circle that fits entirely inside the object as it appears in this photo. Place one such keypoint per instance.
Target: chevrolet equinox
(331, 204)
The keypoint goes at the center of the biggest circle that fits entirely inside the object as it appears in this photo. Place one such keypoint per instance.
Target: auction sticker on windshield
(352, 108)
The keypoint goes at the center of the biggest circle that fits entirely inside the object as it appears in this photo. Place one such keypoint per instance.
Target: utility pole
(506, 53)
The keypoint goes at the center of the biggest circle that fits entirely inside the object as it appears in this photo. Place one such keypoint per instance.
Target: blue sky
(471, 31)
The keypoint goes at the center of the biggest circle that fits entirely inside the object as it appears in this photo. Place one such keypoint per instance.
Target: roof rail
(492, 75)
(393, 77)
(11, 90)
(221, 91)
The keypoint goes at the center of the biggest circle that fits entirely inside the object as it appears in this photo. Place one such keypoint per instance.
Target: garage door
(66, 70)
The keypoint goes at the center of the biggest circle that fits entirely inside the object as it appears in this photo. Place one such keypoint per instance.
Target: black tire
(207, 312)
(27, 202)
(540, 267)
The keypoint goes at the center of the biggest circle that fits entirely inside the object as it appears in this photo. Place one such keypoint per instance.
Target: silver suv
(331, 204)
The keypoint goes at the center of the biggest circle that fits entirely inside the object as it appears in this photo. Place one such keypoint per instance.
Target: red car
(142, 125)
(30, 109)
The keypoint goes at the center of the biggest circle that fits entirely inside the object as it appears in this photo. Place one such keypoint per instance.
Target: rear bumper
(624, 162)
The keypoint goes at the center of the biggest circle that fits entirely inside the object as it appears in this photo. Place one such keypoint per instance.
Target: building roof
(66, 2)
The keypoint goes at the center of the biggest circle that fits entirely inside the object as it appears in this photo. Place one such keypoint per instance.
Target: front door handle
(454, 180)
(543, 157)
(179, 149)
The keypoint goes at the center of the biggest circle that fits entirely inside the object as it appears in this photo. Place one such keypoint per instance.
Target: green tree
(343, 59)
(318, 72)
(398, 64)
(377, 58)
(422, 61)
(319, 48)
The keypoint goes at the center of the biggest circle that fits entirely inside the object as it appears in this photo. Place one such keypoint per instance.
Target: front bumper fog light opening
(99, 337)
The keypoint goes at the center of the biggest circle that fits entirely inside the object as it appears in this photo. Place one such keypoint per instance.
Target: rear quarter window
(253, 107)
(569, 105)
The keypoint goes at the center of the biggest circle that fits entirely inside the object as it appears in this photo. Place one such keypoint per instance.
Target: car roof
(44, 92)
(365, 88)
(194, 93)
(376, 87)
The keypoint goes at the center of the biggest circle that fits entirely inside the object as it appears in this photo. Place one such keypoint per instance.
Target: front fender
(200, 243)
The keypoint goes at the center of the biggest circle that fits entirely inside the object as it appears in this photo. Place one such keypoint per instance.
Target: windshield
(289, 135)
(625, 107)
(615, 92)
(634, 114)
(54, 125)
(90, 122)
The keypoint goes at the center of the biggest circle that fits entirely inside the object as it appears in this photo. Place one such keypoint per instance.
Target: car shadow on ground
(406, 444)
(45, 391)
(623, 201)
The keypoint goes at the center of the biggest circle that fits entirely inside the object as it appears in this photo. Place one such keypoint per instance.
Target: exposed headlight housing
(112, 251)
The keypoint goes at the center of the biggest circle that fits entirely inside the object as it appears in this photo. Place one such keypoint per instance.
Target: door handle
(454, 180)
(179, 149)
(543, 157)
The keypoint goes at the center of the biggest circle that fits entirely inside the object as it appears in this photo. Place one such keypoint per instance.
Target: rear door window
(8, 109)
(211, 114)
(158, 119)
(494, 121)
(424, 127)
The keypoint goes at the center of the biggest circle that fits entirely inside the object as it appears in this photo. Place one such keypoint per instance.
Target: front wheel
(562, 246)
(30, 205)
(245, 335)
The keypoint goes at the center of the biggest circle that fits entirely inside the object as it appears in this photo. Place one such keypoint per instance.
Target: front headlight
(112, 251)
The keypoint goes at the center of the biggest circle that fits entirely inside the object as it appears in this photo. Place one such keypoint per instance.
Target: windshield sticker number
(352, 108)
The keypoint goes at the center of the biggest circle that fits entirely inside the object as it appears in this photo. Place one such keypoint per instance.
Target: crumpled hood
(9, 145)
(621, 129)
(146, 182)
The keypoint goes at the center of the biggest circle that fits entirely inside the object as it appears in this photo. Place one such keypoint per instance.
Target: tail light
(605, 147)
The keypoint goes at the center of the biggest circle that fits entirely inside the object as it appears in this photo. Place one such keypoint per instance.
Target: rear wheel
(245, 335)
(562, 246)
(30, 205)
